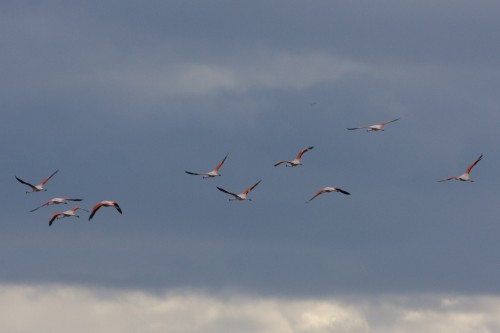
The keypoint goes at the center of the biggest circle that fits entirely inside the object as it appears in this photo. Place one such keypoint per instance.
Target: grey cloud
(124, 98)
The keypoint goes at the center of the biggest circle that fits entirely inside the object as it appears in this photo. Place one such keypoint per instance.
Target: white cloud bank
(70, 309)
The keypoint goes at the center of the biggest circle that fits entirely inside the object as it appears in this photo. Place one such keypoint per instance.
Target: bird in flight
(328, 189)
(211, 174)
(377, 127)
(55, 201)
(39, 187)
(296, 161)
(68, 213)
(465, 177)
(242, 196)
(105, 203)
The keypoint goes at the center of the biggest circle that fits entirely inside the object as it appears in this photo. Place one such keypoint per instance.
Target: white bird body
(465, 177)
(39, 187)
(375, 128)
(55, 201)
(242, 196)
(296, 161)
(210, 174)
(327, 190)
(68, 213)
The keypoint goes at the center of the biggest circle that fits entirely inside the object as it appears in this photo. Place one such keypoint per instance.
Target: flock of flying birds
(56, 201)
(214, 173)
(297, 162)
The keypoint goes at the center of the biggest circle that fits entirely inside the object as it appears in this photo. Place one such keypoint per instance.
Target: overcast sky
(122, 97)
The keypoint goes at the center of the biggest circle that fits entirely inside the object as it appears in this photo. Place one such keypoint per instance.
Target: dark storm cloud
(122, 97)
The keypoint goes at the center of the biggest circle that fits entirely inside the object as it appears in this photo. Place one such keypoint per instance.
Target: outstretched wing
(225, 191)
(280, 162)
(469, 168)
(25, 183)
(356, 128)
(195, 173)
(44, 204)
(317, 193)
(342, 191)
(94, 210)
(446, 179)
(220, 163)
(390, 121)
(117, 208)
(303, 151)
(53, 217)
(252, 187)
(47, 179)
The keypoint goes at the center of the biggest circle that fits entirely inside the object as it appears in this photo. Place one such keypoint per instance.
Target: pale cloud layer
(264, 71)
(64, 308)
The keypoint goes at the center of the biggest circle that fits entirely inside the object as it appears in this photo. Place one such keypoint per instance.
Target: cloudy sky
(123, 96)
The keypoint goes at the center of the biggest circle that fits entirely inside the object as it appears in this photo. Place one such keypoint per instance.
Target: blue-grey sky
(123, 96)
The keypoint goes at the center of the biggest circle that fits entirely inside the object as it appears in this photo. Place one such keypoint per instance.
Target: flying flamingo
(68, 213)
(329, 189)
(105, 203)
(243, 195)
(55, 201)
(211, 174)
(377, 127)
(296, 161)
(466, 176)
(38, 187)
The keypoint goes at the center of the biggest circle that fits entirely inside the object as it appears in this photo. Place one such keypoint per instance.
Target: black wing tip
(342, 191)
(118, 208)
(92, 213)
(53, 173)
